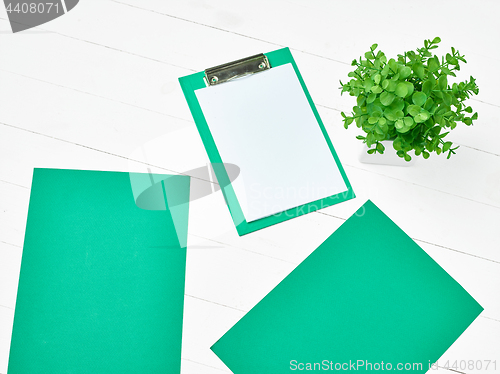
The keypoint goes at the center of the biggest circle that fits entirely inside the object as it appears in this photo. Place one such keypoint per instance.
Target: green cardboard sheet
(368, 298)
(101, 287)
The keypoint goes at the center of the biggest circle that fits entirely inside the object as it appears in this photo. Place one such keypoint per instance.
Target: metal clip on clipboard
(236, 69)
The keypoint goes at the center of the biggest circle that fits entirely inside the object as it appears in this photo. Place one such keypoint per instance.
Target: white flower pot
(389, 157)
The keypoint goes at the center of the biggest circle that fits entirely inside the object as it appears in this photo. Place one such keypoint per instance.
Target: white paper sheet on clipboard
(264, 124)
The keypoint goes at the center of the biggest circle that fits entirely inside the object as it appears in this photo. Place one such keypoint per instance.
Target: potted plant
(409, 100)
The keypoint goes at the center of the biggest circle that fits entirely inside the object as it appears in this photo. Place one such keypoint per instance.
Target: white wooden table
(97, 89)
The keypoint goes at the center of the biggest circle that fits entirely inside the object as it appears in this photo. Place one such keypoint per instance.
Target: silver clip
(226, 72)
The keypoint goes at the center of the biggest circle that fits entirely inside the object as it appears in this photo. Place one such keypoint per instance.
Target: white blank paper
(264, 124)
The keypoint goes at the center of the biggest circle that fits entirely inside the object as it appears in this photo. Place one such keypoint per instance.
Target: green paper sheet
(101, 287)
(368, 295)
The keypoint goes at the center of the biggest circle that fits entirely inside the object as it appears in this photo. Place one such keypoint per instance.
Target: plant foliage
(409, 100)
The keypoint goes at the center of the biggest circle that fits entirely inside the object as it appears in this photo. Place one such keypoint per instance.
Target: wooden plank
(81, 118)
(318, 71)
(461, 175)
(436, 216)
(6, 320)
(10, 264)
(479, 342)
(98, 71)
(338, 32)
(448, 221)
(205, 323)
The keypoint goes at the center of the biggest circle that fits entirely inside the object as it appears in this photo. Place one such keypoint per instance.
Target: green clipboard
(254, 68)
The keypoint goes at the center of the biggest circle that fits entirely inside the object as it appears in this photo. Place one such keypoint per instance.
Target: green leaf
(360, 137)
(409, 87)
(474, 116)
(374, 46)
(389, 114)
(427, 87)
(413, 110)
(447, 146)
(408, 121)
(376, 111)
(385, 83)
(432, 64)
(393, 65)
(371, 151)
(436, 40)
(380, 148)
(418, 118)
(399, 114)
(391, 87)
(399, 125)
(386, 98)
(419, 98)
(369, 55)
(468, 109)
(435, 131)
(425, 115)
(438, 94)
(426, 154)
(372, 120)
(398, 104)
(447, 98)
(418, 69)
(397, 144)
(442, 82)
(377, 78)
(370, 139)
(382, 122)
(376, 89)
(368, 84)
(428, 103)
(371, 98)
(385, 71)
(407, 157)
(422, 116)
(446, 71)
(404, 71)
(401, 89)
